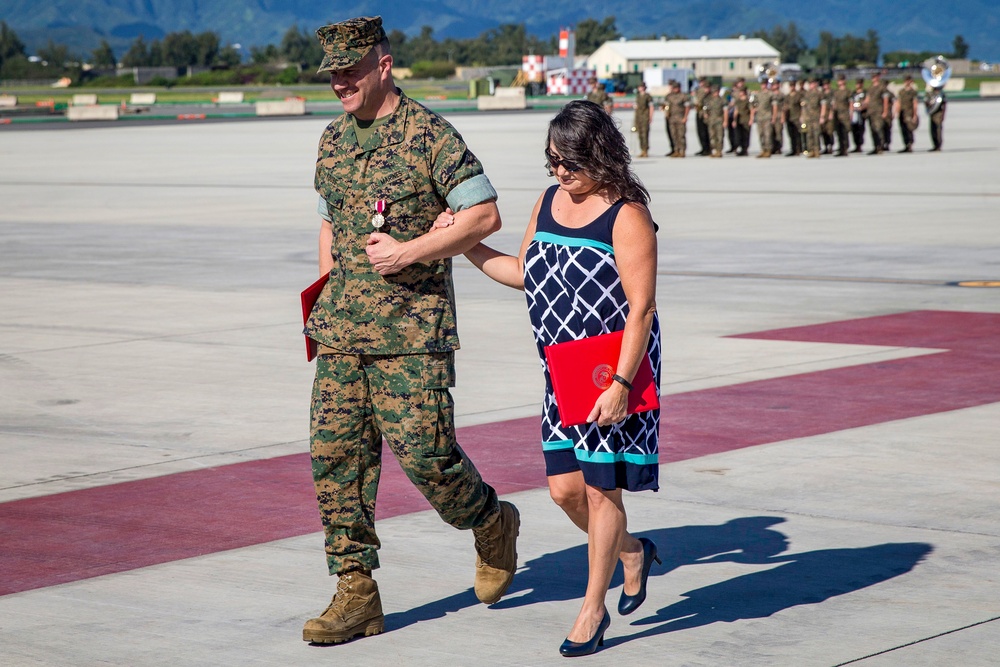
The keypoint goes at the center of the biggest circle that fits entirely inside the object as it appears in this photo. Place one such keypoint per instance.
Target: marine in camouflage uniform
(813, 112)
(875, 105)
(643, 118)
(859, 114)
(715, 113)
(890, 104)
(841, 106)
(907, 113)
(762, 110)
(385, 325)
(731, 98)
(935, 102)
(779, 103)
(677, 106)
(826, 124)
(741, 121)
(793, 118)
(598, 95)
(698, 98)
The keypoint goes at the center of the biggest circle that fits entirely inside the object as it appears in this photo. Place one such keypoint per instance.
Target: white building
(728, 58)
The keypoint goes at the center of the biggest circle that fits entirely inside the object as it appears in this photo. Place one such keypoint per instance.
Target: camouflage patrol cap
(349, 41)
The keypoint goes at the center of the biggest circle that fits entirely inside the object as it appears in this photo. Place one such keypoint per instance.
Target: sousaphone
(936, 76)
(767, 72)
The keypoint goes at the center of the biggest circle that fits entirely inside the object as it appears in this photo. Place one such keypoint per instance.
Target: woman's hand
(446, 218)
(611, 406)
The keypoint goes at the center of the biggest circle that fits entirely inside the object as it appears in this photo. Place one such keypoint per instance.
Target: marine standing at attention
(598, 95)
(841, 107)
(907, 113)
(385, 326)
(716, 112)
(763, 112)
(643, 118)
(677, 107)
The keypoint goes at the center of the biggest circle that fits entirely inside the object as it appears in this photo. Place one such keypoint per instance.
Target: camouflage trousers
(715, 134)
(642, 129)
(356, 402)
(766, 129)
(813, 132)
(678, 135)
(877, 125)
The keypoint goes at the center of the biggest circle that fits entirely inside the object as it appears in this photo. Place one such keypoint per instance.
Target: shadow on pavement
(804, 578)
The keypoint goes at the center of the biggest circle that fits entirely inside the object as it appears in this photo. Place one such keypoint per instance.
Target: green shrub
(110, 81)
(289, 76)
(219, 77)
(427, 69)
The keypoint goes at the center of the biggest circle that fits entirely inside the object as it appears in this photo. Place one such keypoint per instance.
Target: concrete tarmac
(829, 484)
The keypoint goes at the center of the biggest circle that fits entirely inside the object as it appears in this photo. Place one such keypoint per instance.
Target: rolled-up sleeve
(324, 210)
(470, 192)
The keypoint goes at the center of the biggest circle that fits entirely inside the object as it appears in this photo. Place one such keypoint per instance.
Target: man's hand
(385, 254)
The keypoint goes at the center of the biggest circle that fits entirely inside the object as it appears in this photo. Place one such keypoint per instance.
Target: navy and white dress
(573, 289)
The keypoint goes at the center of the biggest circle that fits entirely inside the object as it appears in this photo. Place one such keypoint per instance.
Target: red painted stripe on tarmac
(81, 534)
(967, 374)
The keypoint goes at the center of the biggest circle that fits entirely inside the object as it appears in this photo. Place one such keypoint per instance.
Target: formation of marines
(819, 118)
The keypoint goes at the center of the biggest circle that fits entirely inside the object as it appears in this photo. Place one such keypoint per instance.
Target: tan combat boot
(644, 154)
(355, 610)
(496, 553)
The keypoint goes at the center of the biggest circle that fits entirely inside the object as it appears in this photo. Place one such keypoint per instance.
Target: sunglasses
(554, 163)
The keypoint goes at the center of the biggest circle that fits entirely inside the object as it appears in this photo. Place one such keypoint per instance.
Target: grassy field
(419, 89)
(416, 88)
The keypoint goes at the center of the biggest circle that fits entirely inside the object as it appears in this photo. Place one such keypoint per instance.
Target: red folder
(581, 370)
(309, 296)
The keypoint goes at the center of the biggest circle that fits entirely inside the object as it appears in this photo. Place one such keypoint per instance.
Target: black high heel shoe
(629, 603)
(576, 649)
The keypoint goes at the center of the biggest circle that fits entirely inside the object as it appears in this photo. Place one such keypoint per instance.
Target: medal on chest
(378, 219)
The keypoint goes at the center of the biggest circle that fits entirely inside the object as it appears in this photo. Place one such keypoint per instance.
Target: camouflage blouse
(417, 164)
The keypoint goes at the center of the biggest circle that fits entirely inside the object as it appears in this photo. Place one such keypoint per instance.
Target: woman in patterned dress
(587, 265)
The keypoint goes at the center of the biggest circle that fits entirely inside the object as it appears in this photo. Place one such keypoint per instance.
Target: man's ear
(385, 64)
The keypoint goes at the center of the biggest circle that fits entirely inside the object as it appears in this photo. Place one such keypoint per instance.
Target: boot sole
(374, 626)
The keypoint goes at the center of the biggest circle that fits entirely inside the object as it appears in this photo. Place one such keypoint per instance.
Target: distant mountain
(914, 25)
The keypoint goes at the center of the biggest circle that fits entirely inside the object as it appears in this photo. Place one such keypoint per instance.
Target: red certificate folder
(309, 296)
(581, 370)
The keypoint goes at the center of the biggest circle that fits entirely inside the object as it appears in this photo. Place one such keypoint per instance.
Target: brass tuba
(936, 76)
(767, 72)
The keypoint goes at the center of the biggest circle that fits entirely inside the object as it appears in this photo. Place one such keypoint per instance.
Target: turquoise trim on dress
(572, 242)
(555, 445)
(614, 457)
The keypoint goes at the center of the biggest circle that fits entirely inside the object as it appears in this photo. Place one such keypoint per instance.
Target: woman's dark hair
(585, 134)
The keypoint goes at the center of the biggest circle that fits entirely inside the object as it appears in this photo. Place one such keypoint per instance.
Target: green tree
(229, 57)
(207, 51)
(137, 54)
(104, 55)
(872, 45)
(295, 45)
(591, 34)
(10, 45)
(959, 48)
(788, 40)
(301, 47)
(56, 55)
(180, 49)
(265, 55)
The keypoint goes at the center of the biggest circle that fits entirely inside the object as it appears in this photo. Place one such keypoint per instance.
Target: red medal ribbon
(380, 206)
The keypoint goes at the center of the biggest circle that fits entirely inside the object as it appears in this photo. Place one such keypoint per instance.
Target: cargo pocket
(439, 407)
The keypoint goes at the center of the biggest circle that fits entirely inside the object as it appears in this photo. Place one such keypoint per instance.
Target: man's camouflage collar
(347, 42)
